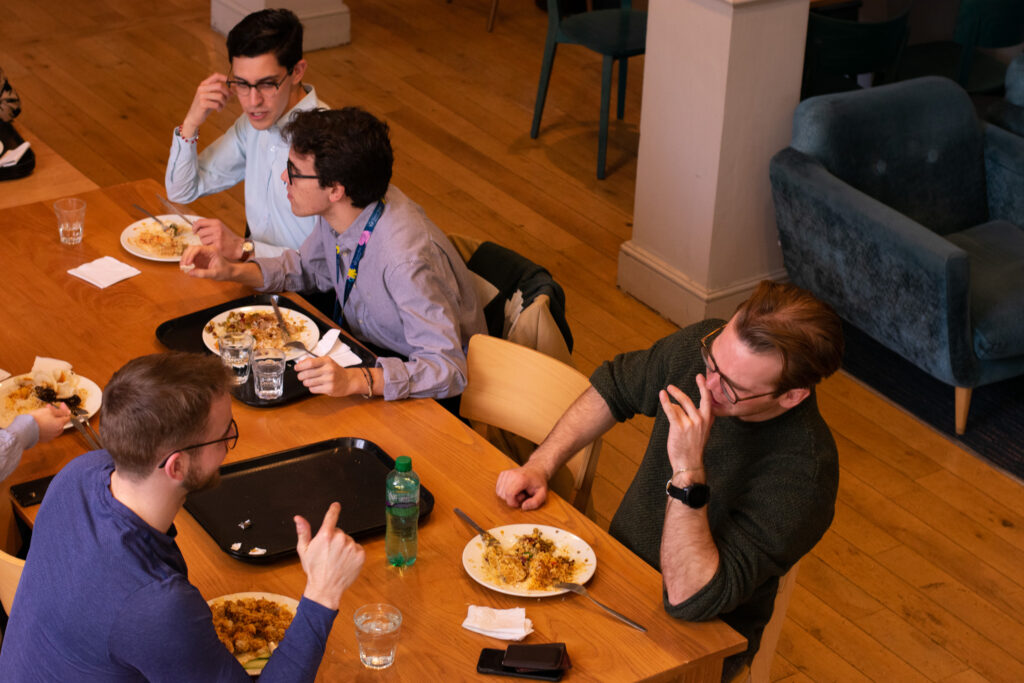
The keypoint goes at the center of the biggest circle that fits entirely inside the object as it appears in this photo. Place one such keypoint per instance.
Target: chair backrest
(525, 392)
(761, 667)
(10, 575)
(987, 24)
(838, 47)
(916, 146)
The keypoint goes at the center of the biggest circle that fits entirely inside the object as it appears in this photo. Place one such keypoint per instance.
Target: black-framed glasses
(709, 361)
(293, 173)
(231, 439)
(266, 87)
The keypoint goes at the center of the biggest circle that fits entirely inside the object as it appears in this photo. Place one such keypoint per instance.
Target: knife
(488, 538)
(163, 225)
(174, 209)
(280, 319)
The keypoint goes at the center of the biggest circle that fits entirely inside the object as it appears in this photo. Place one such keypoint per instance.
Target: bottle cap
(403, 463)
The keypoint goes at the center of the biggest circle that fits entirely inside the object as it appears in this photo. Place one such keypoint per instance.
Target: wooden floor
(921, 576)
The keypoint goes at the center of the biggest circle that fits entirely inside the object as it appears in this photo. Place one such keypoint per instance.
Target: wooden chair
(525, 392)
(760, 669)
(10, 574)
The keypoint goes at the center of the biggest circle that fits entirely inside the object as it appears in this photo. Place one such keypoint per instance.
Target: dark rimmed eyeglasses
(709, 361)
(293, 173)
(231, 439)
(265, 87)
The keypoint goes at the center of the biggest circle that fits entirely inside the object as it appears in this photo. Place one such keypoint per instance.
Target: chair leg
(623, 66)
(962, 404)
(493, 14)
(542, 87)
(602, 136)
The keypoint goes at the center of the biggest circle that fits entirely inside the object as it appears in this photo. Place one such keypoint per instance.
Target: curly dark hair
(350, 147)
(271, 30)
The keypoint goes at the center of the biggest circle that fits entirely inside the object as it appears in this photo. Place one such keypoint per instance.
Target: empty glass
(236, 352)
(70, 219)
(268, 372)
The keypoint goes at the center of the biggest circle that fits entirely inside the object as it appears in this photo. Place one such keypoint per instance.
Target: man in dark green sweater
(748, 463)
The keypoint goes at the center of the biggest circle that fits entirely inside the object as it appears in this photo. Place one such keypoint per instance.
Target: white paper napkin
(104, 271)
(330, 346)
(13, 156)
(4, 375)
(506, 624)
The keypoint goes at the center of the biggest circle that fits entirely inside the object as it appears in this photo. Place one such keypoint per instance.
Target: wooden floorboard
(919, 577)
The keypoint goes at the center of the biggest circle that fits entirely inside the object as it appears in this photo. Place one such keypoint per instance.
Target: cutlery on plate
(280, 321)
(82, 425)
(487, 536)
(174, 208)
(577, 588)
(163, 225)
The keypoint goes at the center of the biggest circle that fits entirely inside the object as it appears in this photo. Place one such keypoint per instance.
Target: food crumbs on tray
(258, 551)
(236, 547)
(245, 525)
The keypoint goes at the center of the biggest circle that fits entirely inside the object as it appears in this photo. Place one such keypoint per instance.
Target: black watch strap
(694, 495)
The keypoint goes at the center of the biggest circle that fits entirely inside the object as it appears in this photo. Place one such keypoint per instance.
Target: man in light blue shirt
(265, 51)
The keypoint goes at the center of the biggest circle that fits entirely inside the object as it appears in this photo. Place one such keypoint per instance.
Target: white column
(325, 23)
(721, 81)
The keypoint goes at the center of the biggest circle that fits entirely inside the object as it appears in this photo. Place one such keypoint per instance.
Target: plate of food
(147, 240)
(18, 394)
(531, 559)
(252, 624)
(260, 322)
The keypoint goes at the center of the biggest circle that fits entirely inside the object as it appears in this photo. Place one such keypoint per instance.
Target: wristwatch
(248, 249)
(694, 495)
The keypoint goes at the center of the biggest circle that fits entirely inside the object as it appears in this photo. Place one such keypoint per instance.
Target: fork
(580, 590)
(79, 417)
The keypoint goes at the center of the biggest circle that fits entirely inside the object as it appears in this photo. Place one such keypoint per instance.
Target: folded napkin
(506, 624)
(55, 373)
(336, 350)
(13, 156)
(104, 271)
(4, 375)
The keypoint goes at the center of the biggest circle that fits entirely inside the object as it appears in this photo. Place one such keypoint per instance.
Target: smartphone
(490, 663)
(30, 492)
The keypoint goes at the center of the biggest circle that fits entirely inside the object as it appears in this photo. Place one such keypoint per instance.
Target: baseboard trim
(322, 28)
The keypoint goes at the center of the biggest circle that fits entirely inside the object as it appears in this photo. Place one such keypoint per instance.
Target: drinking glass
(268, 372)
(70, 219)
(236, 352)
(377, 627)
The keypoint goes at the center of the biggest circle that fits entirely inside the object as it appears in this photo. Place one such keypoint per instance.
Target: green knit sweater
(773, 485)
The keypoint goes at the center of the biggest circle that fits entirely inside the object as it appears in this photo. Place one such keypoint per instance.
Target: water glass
(236, 352)
(70, 219)
(268, 372)
(377, 627)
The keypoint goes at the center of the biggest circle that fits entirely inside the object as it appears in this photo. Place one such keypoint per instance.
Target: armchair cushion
(995, 251)
(894, 144)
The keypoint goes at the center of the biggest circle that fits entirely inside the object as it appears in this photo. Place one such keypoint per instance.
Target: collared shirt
(21, 435)
(256, 156)
(413, 294)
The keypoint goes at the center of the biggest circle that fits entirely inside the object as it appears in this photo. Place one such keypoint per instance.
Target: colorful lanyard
(357, 256)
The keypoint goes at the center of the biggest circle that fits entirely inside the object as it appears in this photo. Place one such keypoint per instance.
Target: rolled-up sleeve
(22, 434)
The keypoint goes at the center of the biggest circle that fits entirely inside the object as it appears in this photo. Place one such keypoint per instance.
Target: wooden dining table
(47, 312)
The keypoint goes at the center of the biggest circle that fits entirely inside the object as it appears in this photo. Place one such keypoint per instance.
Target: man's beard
(193, 483)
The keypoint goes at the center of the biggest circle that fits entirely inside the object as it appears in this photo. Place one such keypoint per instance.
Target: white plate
(91, 404)
(290, 603)
(133, 229)
(571, 544)
(309, 336)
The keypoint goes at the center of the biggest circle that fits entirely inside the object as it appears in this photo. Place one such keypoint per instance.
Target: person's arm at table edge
(586, 419)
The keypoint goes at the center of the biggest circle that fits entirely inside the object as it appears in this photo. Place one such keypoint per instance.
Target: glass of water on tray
(268, 372)
(236, 352)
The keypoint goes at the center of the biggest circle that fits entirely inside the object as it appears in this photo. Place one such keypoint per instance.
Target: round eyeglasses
(709, 362)
(265, 87)
(231, 439)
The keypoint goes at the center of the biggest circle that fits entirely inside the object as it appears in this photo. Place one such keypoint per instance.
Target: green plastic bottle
(402, 495)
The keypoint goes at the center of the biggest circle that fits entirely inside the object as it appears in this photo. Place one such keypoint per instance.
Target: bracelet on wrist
(192, 140)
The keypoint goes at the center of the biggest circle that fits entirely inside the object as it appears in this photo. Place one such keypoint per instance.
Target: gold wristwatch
(248, 249)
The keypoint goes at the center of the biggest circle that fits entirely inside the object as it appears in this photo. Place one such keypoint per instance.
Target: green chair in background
(839, 50)
(979, 24)
(616, 34)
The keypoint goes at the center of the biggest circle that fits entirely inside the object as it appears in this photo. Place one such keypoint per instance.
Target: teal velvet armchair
(902, 210)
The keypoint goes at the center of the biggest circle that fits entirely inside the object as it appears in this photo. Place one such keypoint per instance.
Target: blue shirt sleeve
(21, 435)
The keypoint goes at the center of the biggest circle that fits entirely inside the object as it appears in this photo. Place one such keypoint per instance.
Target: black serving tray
(185, 333)
(270, 490)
